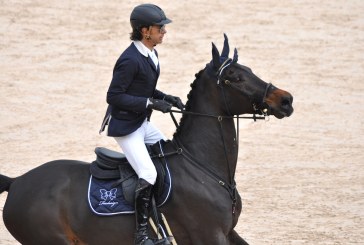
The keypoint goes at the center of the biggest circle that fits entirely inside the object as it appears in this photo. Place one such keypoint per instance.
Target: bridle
(257, 110)
(230, 184)
(256, 106)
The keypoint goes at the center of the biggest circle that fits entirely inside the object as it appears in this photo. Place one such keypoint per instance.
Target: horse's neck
(210, 141)
(209, 138)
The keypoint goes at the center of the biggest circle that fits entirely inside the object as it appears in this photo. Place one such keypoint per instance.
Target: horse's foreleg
(235, 239)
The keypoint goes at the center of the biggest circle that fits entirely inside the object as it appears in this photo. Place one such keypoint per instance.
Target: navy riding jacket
(134, 81)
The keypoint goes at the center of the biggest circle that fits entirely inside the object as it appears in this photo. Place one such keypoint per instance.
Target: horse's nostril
(286, 102)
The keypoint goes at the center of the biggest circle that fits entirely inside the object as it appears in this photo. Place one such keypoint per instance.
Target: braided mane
(188, 104)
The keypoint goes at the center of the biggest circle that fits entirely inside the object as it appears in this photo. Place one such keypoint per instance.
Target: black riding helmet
(145, 15)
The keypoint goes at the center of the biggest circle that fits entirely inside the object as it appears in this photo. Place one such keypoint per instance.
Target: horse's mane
(188, 103)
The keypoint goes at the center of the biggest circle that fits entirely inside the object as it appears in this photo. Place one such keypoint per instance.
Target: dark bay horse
(48, 205)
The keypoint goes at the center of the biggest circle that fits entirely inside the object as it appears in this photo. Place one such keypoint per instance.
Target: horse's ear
(215, 56)
(226, 49)
(235, 58)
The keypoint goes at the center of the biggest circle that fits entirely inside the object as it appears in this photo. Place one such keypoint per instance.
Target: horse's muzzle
(280, 103)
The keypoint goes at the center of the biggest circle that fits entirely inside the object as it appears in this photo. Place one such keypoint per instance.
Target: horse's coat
(48, 204)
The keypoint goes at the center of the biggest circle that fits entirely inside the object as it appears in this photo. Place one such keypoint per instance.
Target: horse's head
(240, 87)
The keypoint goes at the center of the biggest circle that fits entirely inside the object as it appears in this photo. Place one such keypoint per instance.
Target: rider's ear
(215, 57)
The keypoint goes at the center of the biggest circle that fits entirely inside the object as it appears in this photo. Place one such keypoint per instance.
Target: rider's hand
(175, 101)
(159, 105)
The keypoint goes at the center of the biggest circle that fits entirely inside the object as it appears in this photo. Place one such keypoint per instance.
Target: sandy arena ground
(301, 178)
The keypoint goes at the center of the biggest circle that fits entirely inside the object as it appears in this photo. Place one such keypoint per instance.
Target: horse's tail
(5, 183)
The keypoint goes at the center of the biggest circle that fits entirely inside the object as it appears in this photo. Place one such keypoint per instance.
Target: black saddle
(110, 164)
(113, 166)
(109, 159)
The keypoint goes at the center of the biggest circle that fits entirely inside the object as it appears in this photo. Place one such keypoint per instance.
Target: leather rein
(229, 185)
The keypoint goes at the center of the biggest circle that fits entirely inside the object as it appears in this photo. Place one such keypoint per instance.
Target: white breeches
(133, 146)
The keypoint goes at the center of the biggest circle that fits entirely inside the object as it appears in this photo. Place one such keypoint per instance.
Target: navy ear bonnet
(226, 50)
(218, 60)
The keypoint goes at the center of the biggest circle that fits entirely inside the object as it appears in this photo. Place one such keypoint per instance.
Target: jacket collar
(147, 53)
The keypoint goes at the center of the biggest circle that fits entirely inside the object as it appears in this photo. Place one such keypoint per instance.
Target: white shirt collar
(141, 48)
(146, 52)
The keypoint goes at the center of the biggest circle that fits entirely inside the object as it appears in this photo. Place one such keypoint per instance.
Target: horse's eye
(240, 79)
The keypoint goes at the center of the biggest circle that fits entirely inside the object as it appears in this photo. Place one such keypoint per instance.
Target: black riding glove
(159, 105)
(175, 101)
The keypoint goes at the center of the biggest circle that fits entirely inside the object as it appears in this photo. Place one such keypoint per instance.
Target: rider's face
(153, 35)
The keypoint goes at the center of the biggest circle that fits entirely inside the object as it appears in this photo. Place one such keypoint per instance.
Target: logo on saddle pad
(108, 197)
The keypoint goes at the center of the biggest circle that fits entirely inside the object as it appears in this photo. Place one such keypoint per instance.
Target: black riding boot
(142, 202)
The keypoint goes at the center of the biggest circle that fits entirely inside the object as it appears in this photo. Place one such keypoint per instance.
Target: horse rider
(132, 95)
